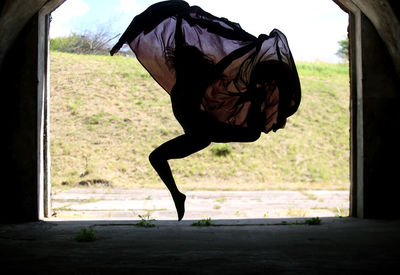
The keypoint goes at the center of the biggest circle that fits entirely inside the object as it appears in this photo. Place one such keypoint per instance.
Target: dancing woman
(225, 84)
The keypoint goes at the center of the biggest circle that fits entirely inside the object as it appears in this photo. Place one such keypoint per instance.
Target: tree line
(98, 43)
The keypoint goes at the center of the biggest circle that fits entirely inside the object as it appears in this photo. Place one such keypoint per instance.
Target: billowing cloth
(238, 55)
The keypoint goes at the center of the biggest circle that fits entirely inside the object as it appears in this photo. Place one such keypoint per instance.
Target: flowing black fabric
(240, 57)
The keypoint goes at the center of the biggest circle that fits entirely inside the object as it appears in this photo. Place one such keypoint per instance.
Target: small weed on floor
(313, 221)
(145, 221)
(86, 235)
(203, 222)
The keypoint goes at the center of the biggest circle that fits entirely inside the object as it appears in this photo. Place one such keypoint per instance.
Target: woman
(225, 84)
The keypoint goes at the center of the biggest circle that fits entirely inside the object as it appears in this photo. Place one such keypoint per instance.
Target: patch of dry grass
(108, 114)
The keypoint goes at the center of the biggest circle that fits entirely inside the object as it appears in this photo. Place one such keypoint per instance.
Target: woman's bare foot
(179, 201)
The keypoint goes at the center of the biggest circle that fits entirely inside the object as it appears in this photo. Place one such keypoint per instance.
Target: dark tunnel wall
(381, 87)
(19, 92)
(395, 4)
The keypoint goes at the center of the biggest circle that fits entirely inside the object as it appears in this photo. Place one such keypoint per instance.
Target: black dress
(243, 61)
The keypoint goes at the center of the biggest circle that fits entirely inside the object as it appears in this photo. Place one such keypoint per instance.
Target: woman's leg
(176, 148)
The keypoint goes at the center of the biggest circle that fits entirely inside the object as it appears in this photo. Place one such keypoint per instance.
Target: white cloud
(312, 27)
(63, 16)
(131, 7)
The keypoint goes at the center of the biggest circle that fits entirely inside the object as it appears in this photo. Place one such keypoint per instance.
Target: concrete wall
(14, 15)
(374, 101)
(19, 98)
(23, 67)
(381, 127)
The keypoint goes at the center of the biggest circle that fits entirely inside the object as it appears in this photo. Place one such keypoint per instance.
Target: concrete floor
(126, 204)
(252, 233)
(241, 246)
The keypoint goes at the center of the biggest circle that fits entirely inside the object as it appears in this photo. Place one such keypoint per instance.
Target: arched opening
(314, 169)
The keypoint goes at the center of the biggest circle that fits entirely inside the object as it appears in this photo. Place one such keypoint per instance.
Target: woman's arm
(149, 19)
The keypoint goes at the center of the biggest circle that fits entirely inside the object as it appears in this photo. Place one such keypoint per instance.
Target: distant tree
(86, 43)
(343, 51)
(65, 44)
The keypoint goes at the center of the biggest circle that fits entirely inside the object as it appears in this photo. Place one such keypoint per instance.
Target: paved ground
(109, 203)
(241, 246)
(241, 240)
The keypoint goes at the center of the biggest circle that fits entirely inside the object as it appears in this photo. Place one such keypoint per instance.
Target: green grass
(145, 221)
(86, 235)
(313, 221)
(203, 222)
(108, 114)
(221, 150)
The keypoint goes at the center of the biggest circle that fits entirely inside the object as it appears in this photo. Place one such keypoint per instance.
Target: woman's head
(190, 61)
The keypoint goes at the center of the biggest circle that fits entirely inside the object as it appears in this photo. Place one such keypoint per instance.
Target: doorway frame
(356, 110)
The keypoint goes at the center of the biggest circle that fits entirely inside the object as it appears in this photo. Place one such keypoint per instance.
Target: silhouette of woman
(225, 84)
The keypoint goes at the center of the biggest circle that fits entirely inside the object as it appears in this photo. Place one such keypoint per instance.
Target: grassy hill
(108, 114)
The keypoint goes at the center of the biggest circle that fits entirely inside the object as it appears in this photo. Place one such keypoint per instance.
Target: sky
(312, 27)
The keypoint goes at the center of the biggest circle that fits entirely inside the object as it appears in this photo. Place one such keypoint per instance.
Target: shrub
(221, 150)
(204, 222)
(86, 235)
